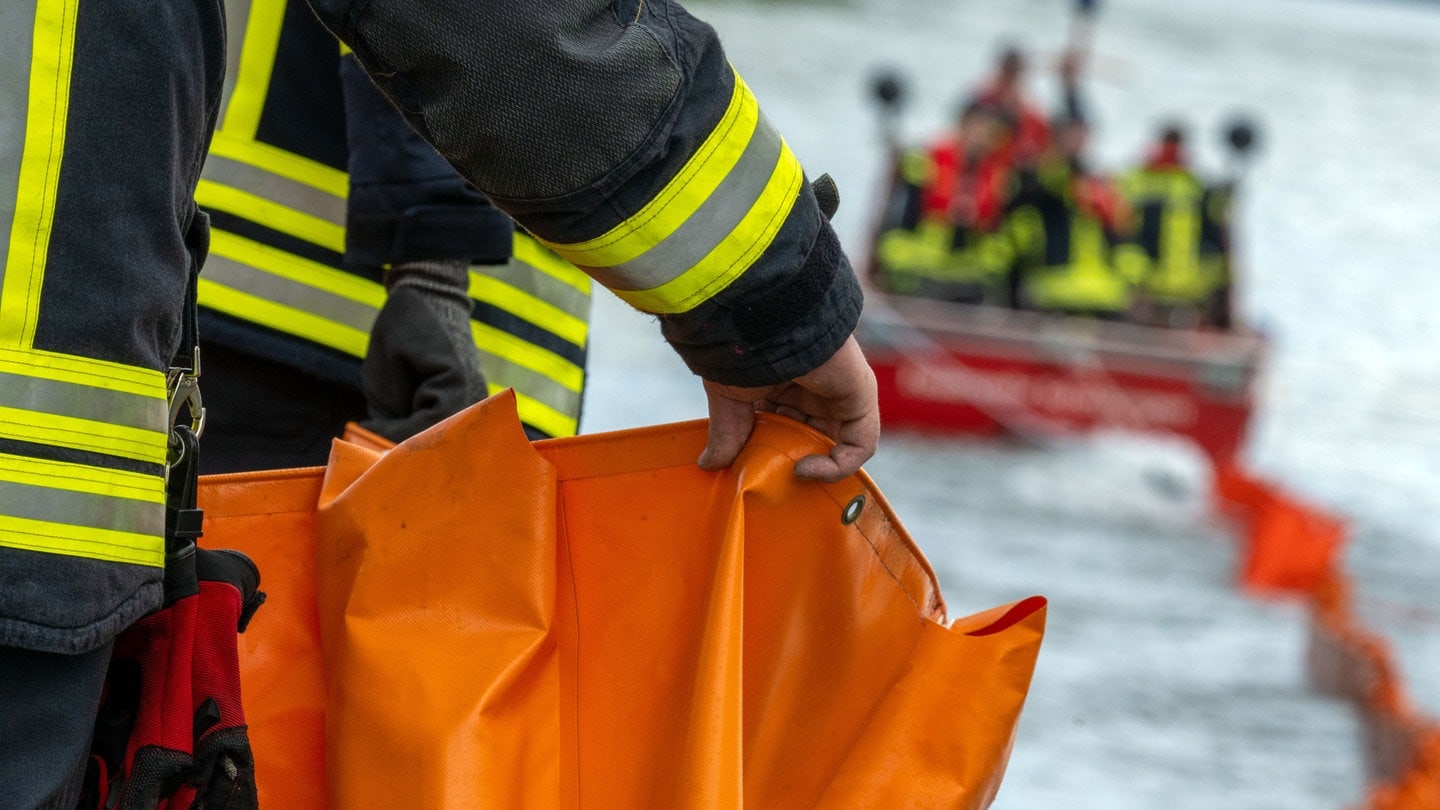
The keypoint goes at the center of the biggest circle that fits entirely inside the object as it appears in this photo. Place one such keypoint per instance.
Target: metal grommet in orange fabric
(852, 510)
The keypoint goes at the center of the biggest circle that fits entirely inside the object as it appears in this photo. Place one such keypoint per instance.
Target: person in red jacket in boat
(969, 170)
(1006, 90)
(950, 198)
(954, 194)
(1062, 235)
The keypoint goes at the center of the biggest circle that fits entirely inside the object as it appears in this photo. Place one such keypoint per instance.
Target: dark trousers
(263, 415)
(48, 704)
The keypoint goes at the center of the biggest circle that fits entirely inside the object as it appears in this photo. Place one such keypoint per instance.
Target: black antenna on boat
(1243, 138)
(888, 90)
(1082, 27)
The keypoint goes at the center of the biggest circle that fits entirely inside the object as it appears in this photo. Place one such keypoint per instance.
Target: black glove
(422, 365)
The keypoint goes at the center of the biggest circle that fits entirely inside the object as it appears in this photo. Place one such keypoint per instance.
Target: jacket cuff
(774, 332)
(478, 234)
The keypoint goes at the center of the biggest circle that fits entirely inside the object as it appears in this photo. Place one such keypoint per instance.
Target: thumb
(730, 424)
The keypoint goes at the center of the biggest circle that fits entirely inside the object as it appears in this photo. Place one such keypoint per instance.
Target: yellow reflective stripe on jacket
(297, 269)
(708, 225)
(49, 102)
(82, 404)
(553, 296)
(83, 511)
(695, 183)
(261, 39)
(90, 406)
(281, 163)
(533, 254)
(90, 542)
(84, 371)
(273, 215)
(22, 390)
(251, 64)
(266, 312)
(548, 387)
(314, 196)
(14, 95)
(538, 414)
(528, 307)
(72, 508)
(88, 435)
(327, 291)
(510, 349)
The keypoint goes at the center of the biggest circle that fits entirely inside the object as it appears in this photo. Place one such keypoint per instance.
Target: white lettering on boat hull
(1071, 398)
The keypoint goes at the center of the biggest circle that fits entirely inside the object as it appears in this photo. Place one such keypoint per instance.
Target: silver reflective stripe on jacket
(85, 407)
(708, 225)
(552, 298)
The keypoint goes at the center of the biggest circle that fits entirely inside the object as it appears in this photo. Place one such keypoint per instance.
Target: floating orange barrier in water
(1290, 546)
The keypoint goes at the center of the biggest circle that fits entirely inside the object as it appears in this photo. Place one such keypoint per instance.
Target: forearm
(405, 202)
(621, 136)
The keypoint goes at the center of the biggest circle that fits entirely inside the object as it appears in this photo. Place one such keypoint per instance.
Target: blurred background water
(1159, 684)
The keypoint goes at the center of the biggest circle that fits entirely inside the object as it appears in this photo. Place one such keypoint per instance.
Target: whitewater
(1160, 684)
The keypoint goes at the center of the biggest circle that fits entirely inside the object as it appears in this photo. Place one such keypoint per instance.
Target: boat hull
(987, 371)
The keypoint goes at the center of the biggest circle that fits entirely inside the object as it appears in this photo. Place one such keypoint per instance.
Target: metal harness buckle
(183, 385)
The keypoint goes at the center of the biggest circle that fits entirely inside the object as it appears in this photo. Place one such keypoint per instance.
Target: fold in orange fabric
(472, 620)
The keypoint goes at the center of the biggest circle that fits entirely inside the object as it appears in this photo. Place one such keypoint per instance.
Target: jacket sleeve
(618, 134)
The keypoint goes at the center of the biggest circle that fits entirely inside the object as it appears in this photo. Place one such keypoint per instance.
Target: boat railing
(903, 321)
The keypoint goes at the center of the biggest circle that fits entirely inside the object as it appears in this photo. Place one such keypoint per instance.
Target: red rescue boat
(953, 368)
(980, 370)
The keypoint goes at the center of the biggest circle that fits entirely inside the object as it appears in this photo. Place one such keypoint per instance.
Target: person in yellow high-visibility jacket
(1061, 234)
(1179, 237)
(623, 140)
(354, 275)
(950, 199)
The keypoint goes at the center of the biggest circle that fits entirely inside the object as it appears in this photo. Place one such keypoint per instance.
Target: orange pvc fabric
(472, 620)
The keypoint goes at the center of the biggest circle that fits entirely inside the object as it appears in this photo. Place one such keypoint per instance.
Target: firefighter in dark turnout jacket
(293, 285)
(623, 139)
(335, 227)
(1062, 234)
(1180, 237)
